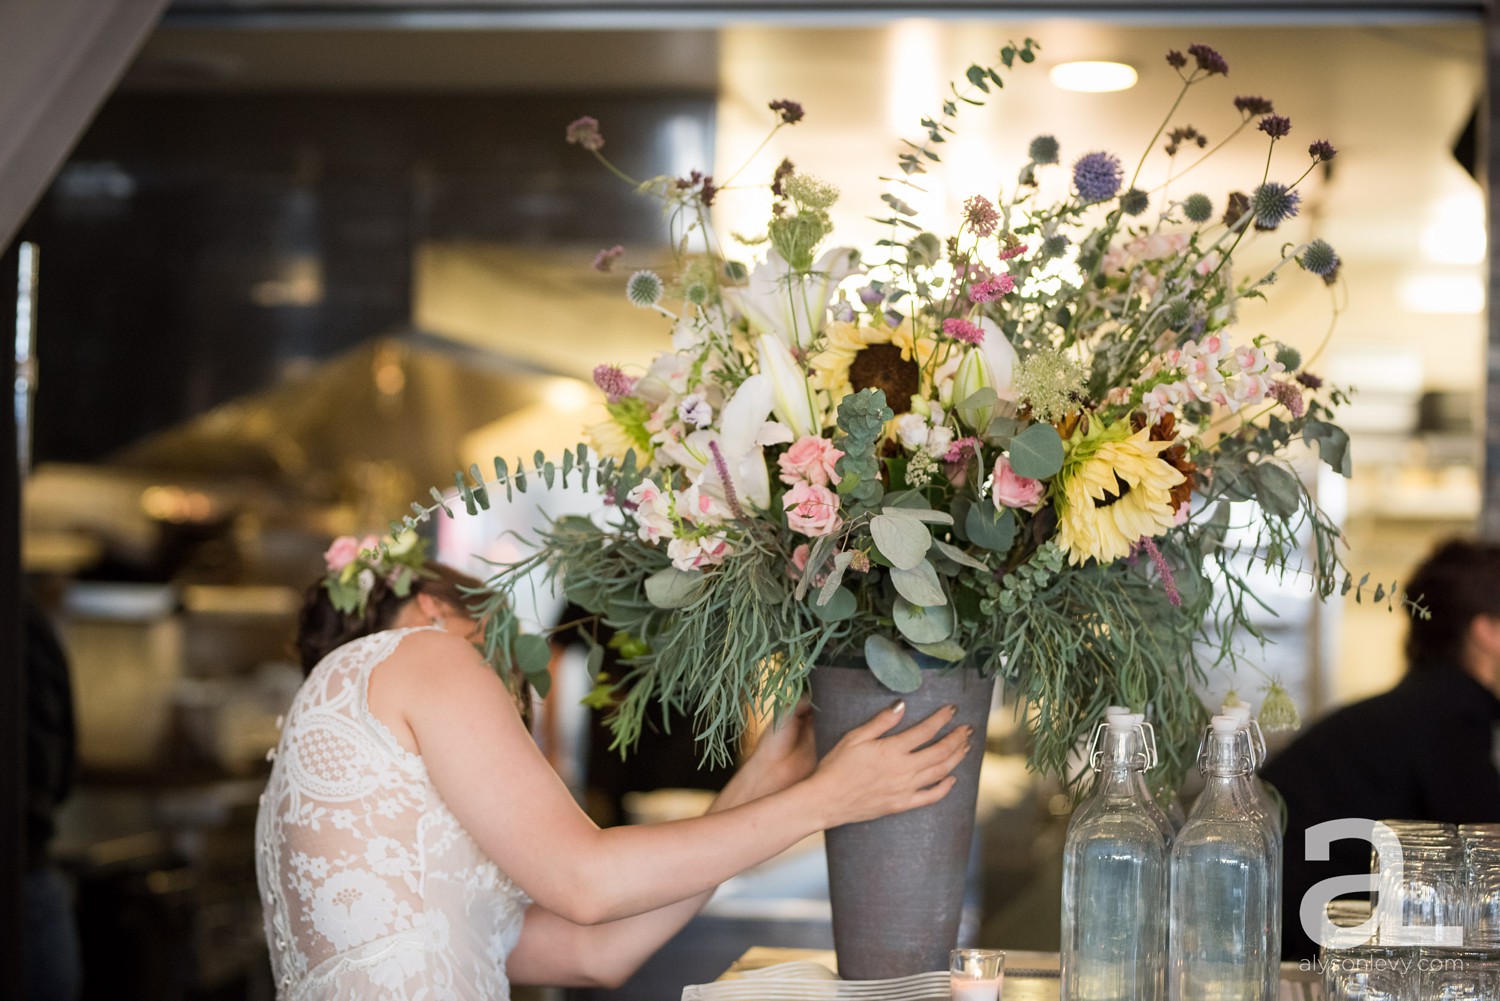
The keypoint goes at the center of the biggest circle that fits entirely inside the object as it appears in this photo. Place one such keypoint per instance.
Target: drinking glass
(1458, 975)
(976, 974)
(1370, 973)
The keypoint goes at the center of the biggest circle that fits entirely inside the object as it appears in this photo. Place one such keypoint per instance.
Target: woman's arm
(555, 951)
(497, 783)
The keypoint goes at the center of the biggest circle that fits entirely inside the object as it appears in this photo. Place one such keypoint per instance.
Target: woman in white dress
(414, 845)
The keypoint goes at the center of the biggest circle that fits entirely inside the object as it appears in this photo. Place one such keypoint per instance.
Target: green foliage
(861, 418)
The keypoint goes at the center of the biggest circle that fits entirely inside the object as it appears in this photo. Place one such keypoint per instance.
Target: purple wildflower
(605, 259)
(1209, 60)
(723, 468)
(962, 450)
(784, 169)
(790, 111)
(585, 132)
(1097, 176)
(1289, 395)
(962, 330)
(1310, 380)
(1250, 106)
(1322, 150)
(1275, 126)
(991, 288)
(1176, 59)
(980, 215)
(615, 383)
(1011, 246)
(1168, 581)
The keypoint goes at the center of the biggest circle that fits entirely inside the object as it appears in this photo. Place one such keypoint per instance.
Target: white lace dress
(372, 890)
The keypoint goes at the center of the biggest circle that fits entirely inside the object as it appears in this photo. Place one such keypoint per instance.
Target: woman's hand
(783, 756)
(870, 774)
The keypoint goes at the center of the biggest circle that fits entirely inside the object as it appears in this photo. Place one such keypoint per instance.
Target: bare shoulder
(432, 659)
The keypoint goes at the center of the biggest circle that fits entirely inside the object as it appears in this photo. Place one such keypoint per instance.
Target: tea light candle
(969, 989)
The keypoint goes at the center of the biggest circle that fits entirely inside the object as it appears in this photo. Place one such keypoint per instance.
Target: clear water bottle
(1114, 918)
(1253, 744)
(1220, 941)
(1152, 806)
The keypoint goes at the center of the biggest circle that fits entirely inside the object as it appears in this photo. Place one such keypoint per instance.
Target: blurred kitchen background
(309, 259)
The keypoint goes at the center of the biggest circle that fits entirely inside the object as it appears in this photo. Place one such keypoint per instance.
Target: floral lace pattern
(371, 887)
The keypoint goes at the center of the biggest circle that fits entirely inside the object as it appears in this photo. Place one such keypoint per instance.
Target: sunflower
(1113, 491)
(852, 358)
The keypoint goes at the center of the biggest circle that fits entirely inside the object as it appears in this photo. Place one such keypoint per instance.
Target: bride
(413, 843)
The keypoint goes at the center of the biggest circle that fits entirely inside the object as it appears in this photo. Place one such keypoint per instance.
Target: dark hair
(1457, 582)
(321, 628)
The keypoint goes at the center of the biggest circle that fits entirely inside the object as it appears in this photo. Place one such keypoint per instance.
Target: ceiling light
(1442, 294)
(1092, 77)
(1454, 233)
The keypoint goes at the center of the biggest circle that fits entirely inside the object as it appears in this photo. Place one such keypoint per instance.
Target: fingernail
(899, 707)
(951, 709)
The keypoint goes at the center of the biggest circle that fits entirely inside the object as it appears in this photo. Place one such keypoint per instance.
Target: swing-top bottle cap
(1224, 725)
(1116, 711)
(1240, 713)
(1125, 721)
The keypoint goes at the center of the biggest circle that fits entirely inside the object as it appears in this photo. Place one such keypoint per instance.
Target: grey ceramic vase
(897, 883)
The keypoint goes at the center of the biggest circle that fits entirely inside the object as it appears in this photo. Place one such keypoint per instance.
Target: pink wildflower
(585, 132)
(991, 288)
(1168, 581)
(1289, 395)
(962, 330)
(980, 215)
(615, 383)
(605, 259)
(1012, 247)
(962, 450)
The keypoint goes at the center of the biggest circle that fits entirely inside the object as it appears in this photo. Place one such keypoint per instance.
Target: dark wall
(197, 245)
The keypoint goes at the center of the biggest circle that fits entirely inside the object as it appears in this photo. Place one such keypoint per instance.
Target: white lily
(793, 306)
(792, 396)
(973, 375)
(1001, 356)
(742, 425)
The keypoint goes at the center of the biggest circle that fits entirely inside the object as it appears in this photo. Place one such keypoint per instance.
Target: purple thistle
(1322, 150)
(615, 383)
(1249, 105)
(1097, 176)
(723, 468)
(1209, 60)
(962, 330)
(1275, 126)
(1272, 204)
(1168, 582)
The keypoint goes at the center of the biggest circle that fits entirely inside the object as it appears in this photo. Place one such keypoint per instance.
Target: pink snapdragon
(695, 554)
(653, 511)
(1010, 489)
(812, 510)
(810, 460)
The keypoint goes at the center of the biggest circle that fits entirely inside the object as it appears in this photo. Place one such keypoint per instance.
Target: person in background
(413, 843)
(54, 971)
(1422, 751)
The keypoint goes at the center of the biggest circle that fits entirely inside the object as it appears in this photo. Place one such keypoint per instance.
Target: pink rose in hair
(1011, 490)
(812, 510)
(810, 460)
(342, 553)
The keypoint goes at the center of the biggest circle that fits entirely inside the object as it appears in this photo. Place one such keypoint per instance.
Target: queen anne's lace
(371, 887)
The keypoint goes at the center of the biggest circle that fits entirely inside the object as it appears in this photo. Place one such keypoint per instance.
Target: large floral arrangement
(1034, 447)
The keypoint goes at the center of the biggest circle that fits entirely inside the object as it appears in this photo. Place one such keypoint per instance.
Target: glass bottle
(1220, 938)
(1115, 877)
(1145, 761)
(1253, 745)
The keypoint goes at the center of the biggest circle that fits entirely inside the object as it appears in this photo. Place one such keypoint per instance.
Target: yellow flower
(1113, 491)
(852, 358)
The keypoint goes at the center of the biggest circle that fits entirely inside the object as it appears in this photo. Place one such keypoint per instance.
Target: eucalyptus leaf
(1278, 489)
(532, 654)
(892, 666)
(1001, 430)
(835, 576)
(595, 659)
(958, 556)
(990, 529)
(815, 560)
(673, 588)
(840, 605)
(922, 513)
(1332, 442)
(922, 625)
(982, 398)
(1036, 452)
(901, 539)
(946, 650)
(919, 585)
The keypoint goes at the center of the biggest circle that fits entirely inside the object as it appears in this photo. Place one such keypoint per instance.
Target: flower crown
(354, 565)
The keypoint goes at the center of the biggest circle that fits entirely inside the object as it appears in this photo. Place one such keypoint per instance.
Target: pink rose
(1010, 490)
(799, 561)
(812, 510)
(810, 460)
(346, 549)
